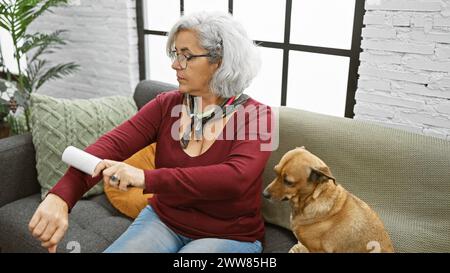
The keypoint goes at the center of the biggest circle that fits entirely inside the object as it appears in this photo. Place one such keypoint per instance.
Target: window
(7, 59)
(310, 48)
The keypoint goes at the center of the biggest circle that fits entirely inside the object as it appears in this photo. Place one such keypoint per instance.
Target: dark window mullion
(306, 48)
(141, 38)
(287, 35)
(155, 32)
(352, 82)
(321, 50)
(181, 7)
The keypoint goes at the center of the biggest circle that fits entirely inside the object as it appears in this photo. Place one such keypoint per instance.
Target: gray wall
(102, 38)
(405, 66)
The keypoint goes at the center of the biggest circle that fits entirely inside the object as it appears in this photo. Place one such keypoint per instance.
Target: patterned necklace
(198, 119)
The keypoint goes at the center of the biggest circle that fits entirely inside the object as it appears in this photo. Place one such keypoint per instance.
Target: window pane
(257, 24)
(7, 51)
(158, 63)
(161, 16)
(205, 5)
(317, 82)
(325, 23)
(266, 87)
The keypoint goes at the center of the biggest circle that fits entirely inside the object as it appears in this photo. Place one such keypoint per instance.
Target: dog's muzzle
(266, 194)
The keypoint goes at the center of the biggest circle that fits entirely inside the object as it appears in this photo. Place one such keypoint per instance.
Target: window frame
(286, 46)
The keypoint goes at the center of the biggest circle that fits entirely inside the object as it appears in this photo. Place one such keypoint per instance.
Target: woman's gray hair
(227, 41)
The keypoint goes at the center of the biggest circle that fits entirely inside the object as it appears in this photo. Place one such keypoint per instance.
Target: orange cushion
(131, 202)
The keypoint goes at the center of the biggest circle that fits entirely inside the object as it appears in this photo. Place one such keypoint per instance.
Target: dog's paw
(298, 248)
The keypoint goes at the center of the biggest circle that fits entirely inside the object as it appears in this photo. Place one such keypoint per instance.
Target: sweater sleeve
(226, 180)
(118, 144)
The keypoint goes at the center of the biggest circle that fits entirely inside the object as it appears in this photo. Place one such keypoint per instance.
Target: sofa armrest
(18, 176)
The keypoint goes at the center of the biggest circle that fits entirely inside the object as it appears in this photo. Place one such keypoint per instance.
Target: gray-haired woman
(207, 187)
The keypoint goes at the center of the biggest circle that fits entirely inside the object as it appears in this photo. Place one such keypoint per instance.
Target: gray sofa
(403, 176)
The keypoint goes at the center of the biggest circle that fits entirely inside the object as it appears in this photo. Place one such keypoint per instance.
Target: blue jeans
(148, 234)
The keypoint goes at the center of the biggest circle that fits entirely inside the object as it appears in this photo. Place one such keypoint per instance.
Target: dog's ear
(320, 175)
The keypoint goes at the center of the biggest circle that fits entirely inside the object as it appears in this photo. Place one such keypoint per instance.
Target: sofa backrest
(403, 176)
(147, 90)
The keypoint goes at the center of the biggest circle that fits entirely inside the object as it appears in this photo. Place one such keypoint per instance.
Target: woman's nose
(176, 65)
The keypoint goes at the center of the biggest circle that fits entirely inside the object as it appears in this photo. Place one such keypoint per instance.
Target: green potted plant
(15, 17)
(4, 108)
(10, 120)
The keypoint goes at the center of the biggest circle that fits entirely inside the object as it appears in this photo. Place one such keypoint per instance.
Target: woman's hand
(50, 222)
(120, 175)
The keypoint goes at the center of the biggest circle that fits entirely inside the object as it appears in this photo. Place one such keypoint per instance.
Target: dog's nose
(266, 194)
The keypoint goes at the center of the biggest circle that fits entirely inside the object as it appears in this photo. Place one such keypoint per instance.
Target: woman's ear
(215, 66)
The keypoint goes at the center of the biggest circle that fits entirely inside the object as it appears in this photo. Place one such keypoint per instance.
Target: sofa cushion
(93, 225)
(58, 123)
(132, 201)
(278, 239)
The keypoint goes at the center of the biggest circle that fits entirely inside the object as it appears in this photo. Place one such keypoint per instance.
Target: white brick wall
(405, 66)
(102, 39)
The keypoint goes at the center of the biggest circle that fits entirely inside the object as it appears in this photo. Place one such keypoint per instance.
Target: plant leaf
(41, 40)
(57, 72)
(33, 73)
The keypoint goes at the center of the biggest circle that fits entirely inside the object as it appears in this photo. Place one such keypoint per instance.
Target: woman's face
(198, 73)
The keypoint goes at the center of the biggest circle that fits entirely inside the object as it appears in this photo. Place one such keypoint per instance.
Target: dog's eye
(288, 183)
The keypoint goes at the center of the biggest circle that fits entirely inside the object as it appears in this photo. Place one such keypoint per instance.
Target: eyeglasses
(183, 59)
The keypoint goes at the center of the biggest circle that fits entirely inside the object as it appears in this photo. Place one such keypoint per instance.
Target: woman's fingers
(119, 178)
(55, 239)
(112, 170)
(123, 184)
(100, 166)
(52, 249)
(110, 163)
(40, 228)
(50, 218)
(48, 232)
(116, 174)
(34, 221)
(108, 168)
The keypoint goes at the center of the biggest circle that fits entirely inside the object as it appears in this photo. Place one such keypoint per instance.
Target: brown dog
(325, 217)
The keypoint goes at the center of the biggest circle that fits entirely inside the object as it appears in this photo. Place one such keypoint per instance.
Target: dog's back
(353, 227)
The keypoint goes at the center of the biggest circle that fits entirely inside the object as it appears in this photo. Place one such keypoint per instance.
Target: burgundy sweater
(216, 194)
